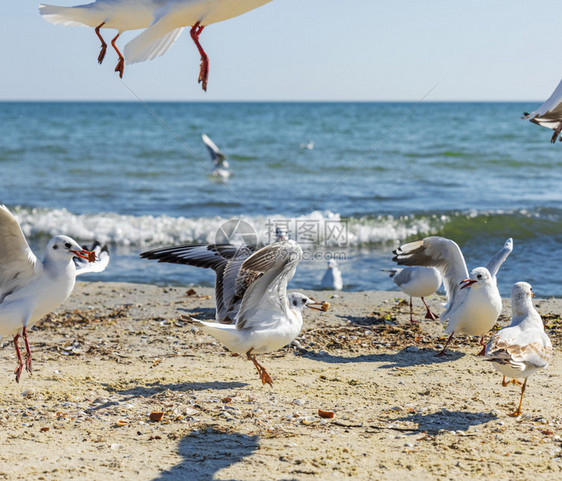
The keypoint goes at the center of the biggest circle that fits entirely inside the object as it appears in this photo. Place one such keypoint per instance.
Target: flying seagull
(549, 114)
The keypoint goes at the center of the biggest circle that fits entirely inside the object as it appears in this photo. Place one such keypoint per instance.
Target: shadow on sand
(156, 387)
(404, 358)
(206, 453)
(448, 420)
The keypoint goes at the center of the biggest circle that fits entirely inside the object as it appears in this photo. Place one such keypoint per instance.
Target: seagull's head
(521, 292)
(298, 301)
(65, 248)
(479, 277)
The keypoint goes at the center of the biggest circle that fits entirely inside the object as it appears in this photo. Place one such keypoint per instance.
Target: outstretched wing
(550, 110)
(224, 259)
(83, 266)
(444, 254)
(262, 282)
(216, 155)
(496, 261)
(17, 262)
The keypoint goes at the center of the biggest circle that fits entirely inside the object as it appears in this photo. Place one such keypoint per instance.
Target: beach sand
(115, 353)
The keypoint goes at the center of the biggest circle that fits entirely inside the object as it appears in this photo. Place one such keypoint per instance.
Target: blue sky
(304, 50)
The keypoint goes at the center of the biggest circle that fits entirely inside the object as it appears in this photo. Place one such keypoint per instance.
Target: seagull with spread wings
(30, 288)
(523, 347)
(255, 314)
(474, 302)
(549, 114)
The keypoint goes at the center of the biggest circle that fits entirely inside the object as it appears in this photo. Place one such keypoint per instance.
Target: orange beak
(322, 306)
(467, 283)
(90, 256)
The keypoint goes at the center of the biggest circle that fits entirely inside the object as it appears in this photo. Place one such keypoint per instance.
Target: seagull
(221, 167)
(523, 347)
(254, 313)
(308, 146)
(30, 288)
(417, 281)
(332, 277)
(121, 15)
(549, 114)
(474, 302)
(176, 14)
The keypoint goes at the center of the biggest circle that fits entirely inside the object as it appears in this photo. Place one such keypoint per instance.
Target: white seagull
(121, 15)
(474, 302)
(254, 312)
(332, 278)
(417, 281)
(549, 114)
(523, 347)
(221, 167)
(29, 288)
(176, 14)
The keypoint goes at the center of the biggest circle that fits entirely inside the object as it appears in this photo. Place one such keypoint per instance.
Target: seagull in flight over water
(255, 314)
(30, 288)
(474, 302)
(549, 114)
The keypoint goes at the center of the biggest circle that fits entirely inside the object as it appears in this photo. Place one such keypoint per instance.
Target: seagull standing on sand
(474, 302)
(176, 14)
(221, 168)
(29, 288)
(254, 312)
(121, 15)
(417, 281)
(523, 347)
(549, 114)
(332, 278)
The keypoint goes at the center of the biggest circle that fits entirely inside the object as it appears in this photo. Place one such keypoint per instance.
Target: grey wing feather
(216, 155)
(496, 261)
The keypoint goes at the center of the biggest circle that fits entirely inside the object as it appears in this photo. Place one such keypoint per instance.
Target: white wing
(497, 261)
(83, 266)
(214, 151)
(273, 266)
(549, 106)
(17, 261)
(443, 254)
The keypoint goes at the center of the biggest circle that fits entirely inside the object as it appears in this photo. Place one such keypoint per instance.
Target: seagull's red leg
(429, 314)
(264, 376)
(483, 344)
(19, 368)
(442, 352)
(121, 63)
(103, 44)
(204, 71)
(28, 358)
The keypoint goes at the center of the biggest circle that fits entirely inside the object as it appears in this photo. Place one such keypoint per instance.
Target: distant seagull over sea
(254, 312)
(221, 167)
(523, 347)
(308, 146)
(474, 303)
(176, 14)
(29, 288)
(121, 15)
(417, 281)
(549, 114)
(332, 278)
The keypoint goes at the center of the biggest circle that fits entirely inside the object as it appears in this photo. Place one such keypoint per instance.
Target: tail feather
(68, 16)
(149, 45)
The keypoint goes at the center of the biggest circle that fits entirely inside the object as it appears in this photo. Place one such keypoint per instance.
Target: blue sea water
(137, 177)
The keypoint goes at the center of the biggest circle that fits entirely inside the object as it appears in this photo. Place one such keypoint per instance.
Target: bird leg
(204, 70)
(442, 352)
(517, 382)
(121, 63)
(429, 314)
(19, 367)
(264, 376)
(28, 358)
(518, 411)
(412, 312)
(101, 56)
(483, 344)
(556, 133)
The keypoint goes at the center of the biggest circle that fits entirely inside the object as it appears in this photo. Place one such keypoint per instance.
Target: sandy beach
(115, 355)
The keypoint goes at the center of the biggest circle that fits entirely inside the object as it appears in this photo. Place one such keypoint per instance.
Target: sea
(137, 177)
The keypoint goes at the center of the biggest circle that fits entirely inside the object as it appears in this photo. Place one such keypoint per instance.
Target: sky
(304, 50)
